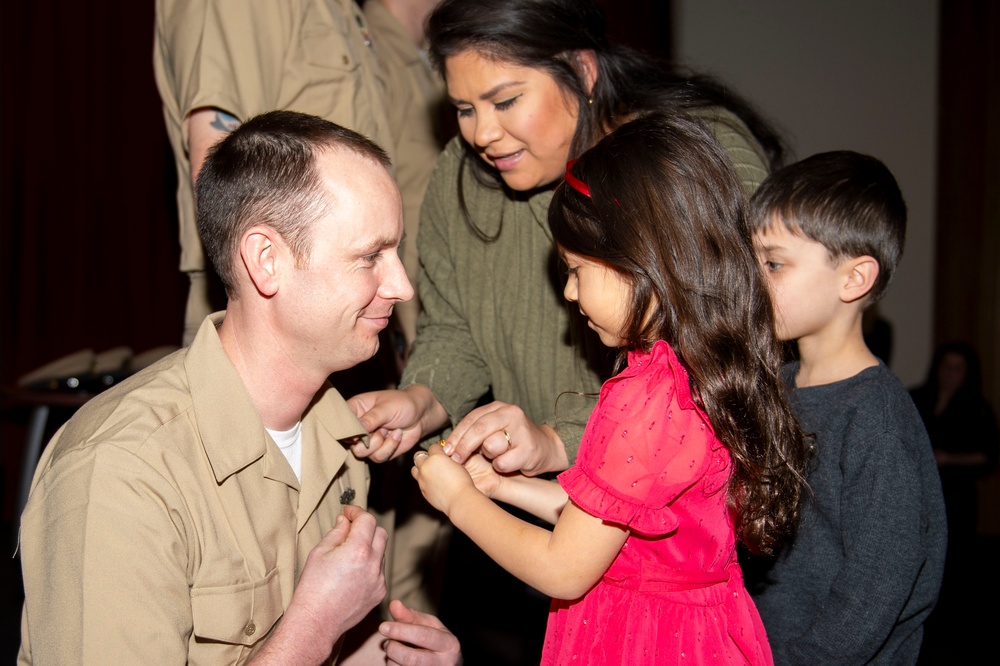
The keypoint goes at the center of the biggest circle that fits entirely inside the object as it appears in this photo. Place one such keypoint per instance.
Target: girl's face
(516, 118)
(602, 294)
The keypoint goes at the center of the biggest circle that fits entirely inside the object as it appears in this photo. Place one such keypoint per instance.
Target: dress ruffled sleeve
(645, 444)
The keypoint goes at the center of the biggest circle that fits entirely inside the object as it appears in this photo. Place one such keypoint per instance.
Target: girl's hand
(442, 480)
(506, 436)
(483, 474)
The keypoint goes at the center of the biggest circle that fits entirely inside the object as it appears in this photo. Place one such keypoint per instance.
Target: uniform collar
(233, 436)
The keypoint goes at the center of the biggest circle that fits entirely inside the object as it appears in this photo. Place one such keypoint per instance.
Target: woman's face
(952, 372)
(516, 118)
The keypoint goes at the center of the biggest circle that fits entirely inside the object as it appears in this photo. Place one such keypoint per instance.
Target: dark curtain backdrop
(90, 245)
(88, 249)
(967, 263)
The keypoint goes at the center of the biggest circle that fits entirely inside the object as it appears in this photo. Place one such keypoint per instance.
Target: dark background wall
(88, 249)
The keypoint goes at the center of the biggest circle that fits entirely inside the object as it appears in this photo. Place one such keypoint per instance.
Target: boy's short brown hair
(848, 202)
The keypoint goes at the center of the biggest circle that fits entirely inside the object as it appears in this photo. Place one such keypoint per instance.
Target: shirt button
(250, 629)
(347, 61)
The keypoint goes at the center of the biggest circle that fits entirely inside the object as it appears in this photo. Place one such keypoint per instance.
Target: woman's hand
(504, 435)
(396, 420)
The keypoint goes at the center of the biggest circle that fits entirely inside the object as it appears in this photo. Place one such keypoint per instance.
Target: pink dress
(674, 595)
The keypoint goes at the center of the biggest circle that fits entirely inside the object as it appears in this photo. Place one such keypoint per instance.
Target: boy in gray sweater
(864, 570)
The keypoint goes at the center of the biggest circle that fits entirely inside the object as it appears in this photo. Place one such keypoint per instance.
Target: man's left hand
(418, 639)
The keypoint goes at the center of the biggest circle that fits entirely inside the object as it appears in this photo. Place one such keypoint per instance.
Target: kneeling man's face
(343, 297)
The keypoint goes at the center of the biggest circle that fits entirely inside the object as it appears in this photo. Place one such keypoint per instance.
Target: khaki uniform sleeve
(109, 520)
(226, 54)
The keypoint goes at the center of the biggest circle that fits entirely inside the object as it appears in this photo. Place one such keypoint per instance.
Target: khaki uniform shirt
(164, 525)
(250, 56)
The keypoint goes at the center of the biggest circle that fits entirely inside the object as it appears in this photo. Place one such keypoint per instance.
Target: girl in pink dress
(691, 445)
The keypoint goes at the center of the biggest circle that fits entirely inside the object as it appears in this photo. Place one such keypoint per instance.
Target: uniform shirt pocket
(323, 42)
(239, 614)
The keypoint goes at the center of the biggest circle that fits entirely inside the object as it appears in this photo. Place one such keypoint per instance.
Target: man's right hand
(342, 580)
(396, 420)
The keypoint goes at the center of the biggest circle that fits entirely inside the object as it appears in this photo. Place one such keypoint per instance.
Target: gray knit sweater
(864, 570)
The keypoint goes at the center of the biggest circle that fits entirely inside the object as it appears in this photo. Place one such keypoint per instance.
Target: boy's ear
(260, 250)
(860, 274)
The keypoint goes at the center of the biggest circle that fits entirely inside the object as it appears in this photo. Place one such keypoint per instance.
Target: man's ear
(261, 251)
(586, 64)
(860, 274)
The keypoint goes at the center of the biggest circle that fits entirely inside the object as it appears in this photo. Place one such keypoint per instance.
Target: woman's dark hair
(668, 213)
(547, 34)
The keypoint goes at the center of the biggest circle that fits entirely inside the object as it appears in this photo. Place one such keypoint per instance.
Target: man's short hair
(848, 202)
(264, 173)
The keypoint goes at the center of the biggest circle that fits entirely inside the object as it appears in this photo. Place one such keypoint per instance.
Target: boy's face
(805, 282)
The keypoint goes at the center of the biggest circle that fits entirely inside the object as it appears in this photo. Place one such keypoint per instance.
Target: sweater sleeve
(444, 357)
(493, 315)
(735, 138)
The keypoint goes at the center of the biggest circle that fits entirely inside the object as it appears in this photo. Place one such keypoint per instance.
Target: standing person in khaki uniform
(218, 62)
(207, 510)
(420, 123)
(420, 119)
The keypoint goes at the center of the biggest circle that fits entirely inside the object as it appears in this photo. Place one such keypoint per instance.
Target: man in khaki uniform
(218, 62)
(207, 510)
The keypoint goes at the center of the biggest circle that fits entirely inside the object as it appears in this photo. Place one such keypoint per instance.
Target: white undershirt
(290, 443)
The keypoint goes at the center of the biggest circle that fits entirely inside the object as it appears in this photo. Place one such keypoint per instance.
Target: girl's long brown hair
(668, 213)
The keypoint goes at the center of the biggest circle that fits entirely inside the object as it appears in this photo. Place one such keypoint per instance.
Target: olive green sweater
(493, 312)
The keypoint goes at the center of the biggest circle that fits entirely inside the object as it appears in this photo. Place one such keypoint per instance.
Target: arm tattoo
(225, 122)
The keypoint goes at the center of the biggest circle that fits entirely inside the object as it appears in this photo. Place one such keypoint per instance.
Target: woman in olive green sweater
(534, 83)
